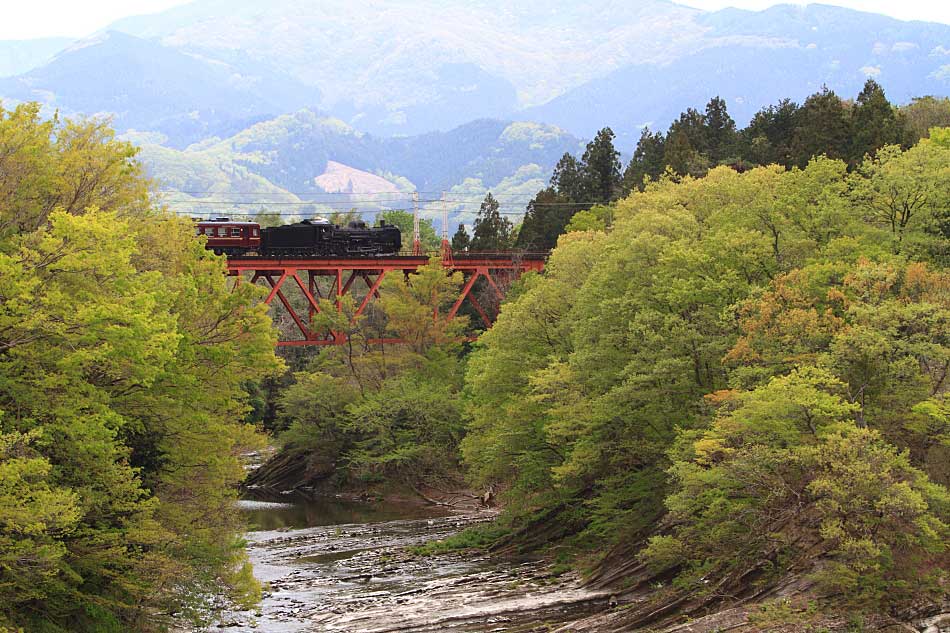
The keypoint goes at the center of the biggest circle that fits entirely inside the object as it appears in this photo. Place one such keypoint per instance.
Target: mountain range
(423, 91)
(287, 163)
(404, 67)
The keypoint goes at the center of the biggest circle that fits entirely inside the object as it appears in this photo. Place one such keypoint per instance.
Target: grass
(478, 537)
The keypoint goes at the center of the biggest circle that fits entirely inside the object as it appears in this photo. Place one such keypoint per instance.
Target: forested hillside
(727, 390)
(123, 360)
(279, 165)
(740, 385)
(785, 133)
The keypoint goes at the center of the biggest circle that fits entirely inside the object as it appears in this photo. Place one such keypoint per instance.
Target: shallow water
(273, 511)
(334, 565)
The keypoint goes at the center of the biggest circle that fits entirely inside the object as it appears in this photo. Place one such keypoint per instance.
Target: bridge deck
(467, 260)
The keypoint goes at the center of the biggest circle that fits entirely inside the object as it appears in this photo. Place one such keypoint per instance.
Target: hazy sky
(75, 18)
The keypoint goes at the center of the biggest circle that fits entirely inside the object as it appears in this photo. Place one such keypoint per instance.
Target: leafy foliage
(759, 355)
(576, 185)
(492, 231)
(122, 358)
(782, 473)
(374, 412)
(428, 238)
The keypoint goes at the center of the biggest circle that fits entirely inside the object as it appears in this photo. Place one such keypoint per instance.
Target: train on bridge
(297, 256)
(310, 238)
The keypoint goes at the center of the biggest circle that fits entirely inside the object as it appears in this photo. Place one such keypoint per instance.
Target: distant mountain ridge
(20, 56)
(407, 67)
(301, 156)
(807, 48)
(422, 93)
(146, 86)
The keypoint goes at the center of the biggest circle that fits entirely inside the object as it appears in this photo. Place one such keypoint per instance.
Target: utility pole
(446, 247)
(416, 244)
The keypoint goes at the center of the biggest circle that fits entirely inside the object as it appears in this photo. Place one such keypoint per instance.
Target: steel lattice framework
(280, 275)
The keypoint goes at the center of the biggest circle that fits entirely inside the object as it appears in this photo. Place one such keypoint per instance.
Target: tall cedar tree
(547, 215)
(679, 154)
(492, 231)
(874, 123)
(569, 179)
(768, 138)
(824, 127)
(575, 186)
(647, 161)
(721, 134)
(601, 166)
(461, 241)
(692, 124)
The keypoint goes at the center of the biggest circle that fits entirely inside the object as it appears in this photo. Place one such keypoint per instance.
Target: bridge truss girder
(498, 270)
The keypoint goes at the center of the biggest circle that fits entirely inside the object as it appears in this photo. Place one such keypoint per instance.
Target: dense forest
(745, 378)
(732, 377)
(786, 134)
(123, 360)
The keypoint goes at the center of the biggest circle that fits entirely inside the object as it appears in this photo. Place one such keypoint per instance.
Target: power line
(268, 203)
(289, 214)
(265, 203)
(407, 194)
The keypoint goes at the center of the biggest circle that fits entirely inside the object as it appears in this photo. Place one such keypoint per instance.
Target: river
(336, 565)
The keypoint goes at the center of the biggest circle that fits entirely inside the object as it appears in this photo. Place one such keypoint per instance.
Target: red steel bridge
(291, 279)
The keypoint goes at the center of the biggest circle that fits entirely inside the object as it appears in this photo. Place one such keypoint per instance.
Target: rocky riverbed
(343, 566)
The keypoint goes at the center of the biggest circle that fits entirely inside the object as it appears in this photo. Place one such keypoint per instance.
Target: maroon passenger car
(230, 237)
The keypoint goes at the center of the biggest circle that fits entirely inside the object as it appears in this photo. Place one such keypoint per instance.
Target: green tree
(492, 231)
(907, 194)
(874, 122)
(545, 219)
(769, 136)
(461, 241)
(680, 156)
(692, 124)
(602, 168)
(823, 128)
(922, 114)
(647, 161)
(428, 238)
(720, 130)
(378, 413)
(267, 218)
(123, 355)
(569, 179)
(782, 470)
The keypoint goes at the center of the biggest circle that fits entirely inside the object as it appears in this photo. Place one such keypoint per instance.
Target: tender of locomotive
(309, 238)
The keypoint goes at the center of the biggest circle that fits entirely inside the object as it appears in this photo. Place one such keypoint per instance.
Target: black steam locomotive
(309, 238)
